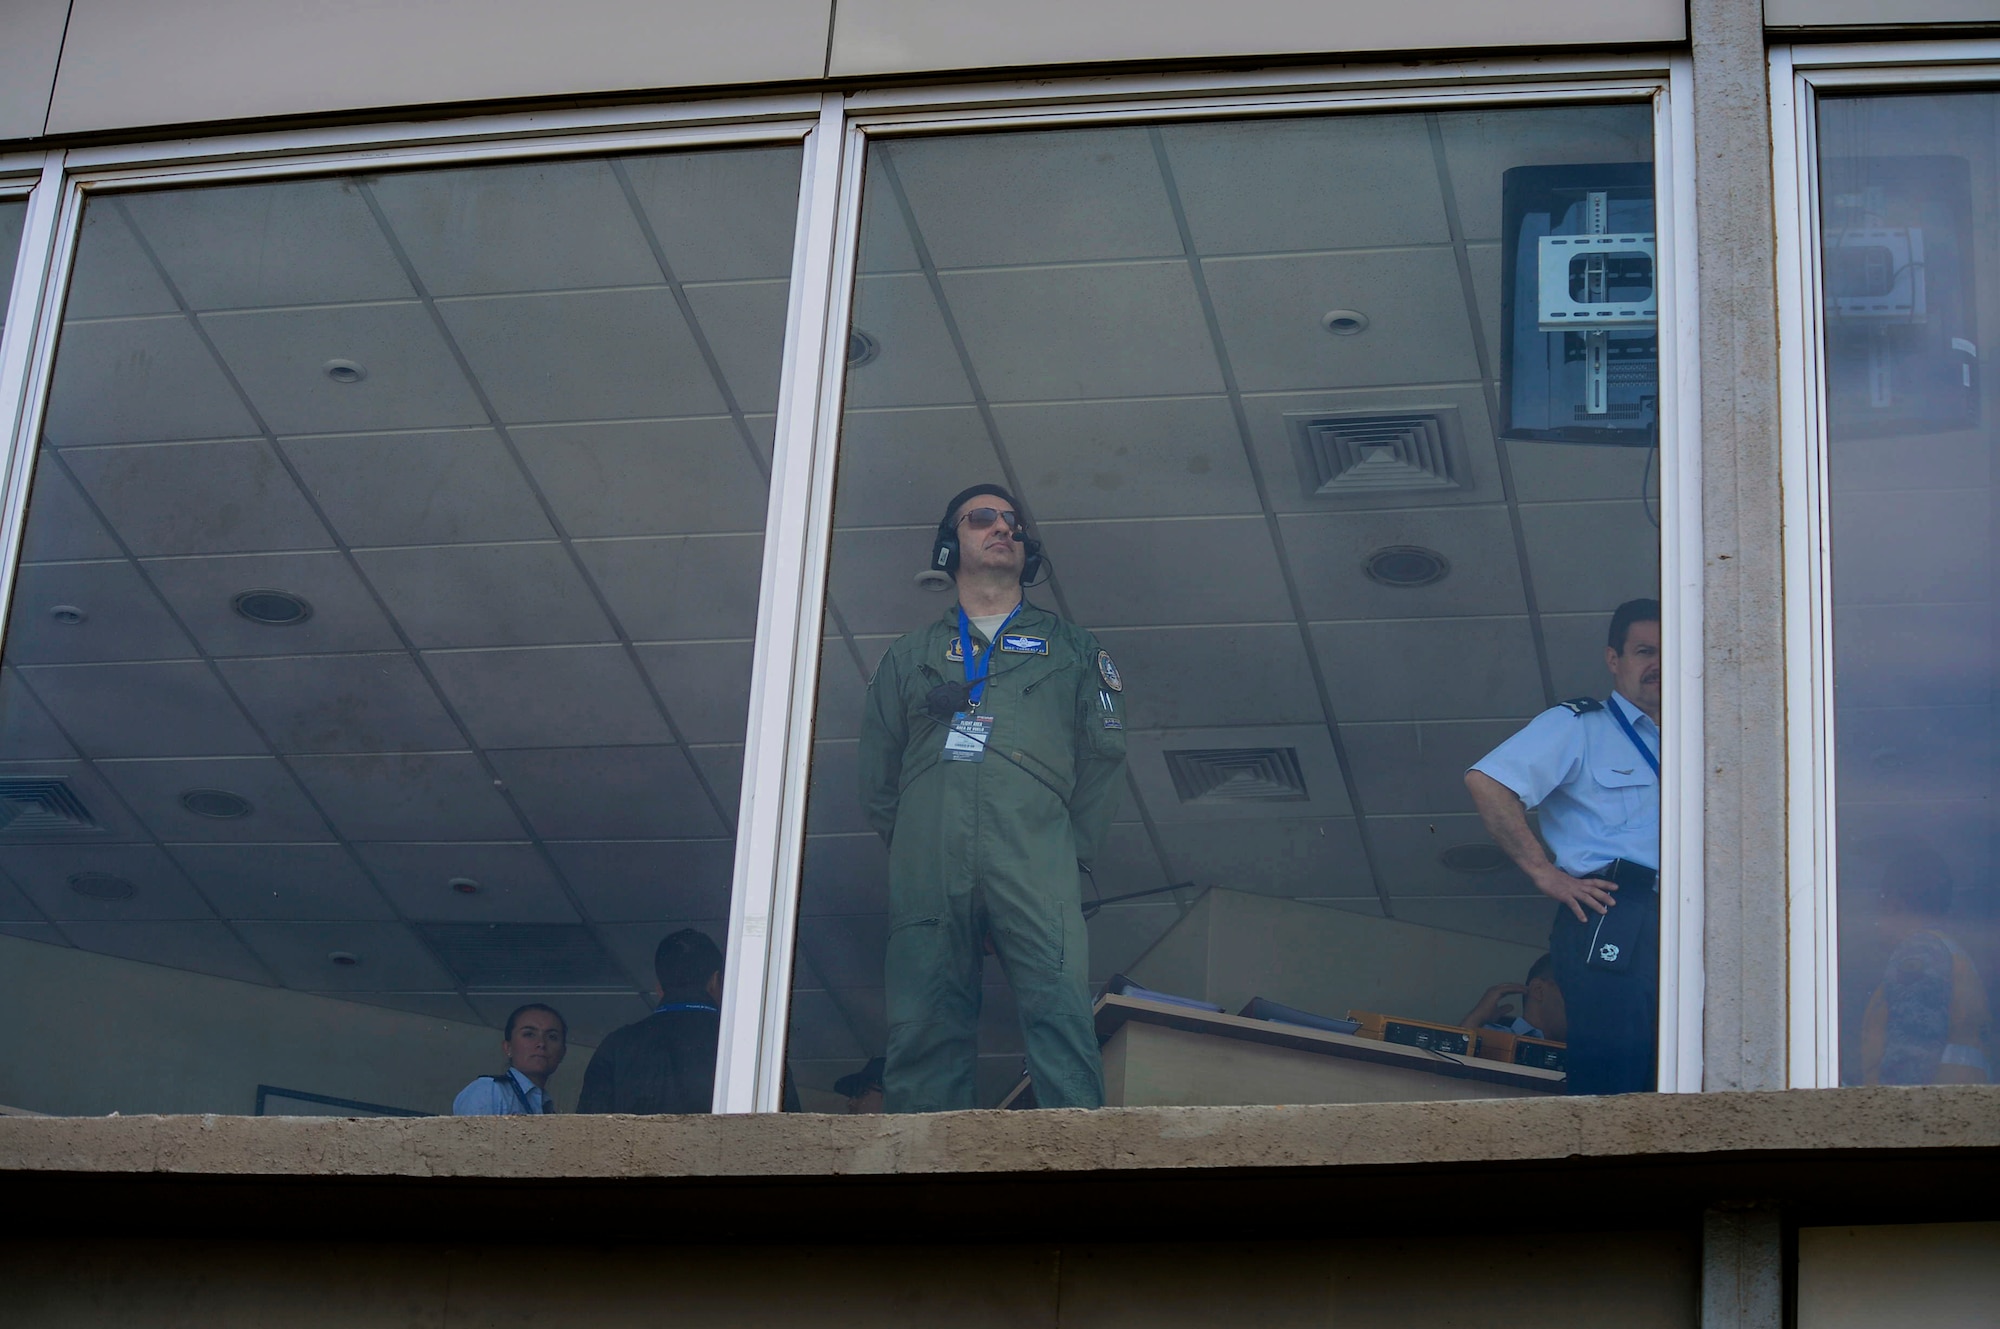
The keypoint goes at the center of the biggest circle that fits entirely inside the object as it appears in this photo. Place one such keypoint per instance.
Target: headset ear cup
(944, 552)
(1031, 564)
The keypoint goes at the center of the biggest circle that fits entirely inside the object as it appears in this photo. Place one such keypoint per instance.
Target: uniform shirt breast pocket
(1622, 790)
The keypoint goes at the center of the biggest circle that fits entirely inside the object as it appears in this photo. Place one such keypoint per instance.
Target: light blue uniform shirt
(1599, 799)
(487, 1097)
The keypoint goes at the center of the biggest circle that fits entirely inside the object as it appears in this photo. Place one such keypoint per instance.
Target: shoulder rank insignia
(1022, 644)
(1109, 672)
(1581, 705)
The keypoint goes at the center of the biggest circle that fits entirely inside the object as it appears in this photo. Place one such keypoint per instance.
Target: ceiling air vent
(30, 806)
(1360, 454)
(1237, 775)
(524, 955)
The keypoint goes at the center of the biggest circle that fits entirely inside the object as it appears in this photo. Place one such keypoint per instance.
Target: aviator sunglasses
(981, 518)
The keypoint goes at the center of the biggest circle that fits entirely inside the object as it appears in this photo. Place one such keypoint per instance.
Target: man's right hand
(1576, 892)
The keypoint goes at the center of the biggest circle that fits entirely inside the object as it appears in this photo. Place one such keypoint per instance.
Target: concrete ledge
(1662, 1128)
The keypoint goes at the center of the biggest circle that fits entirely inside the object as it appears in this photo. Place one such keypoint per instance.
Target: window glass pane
(1911, 246)
(379, 658)
(1334, 442)
(13, 211)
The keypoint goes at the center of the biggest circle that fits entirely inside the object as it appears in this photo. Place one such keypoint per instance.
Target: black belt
(1629, 874)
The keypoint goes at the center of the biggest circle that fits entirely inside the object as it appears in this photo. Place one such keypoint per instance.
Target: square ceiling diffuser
(1363, 453)
(1237, 775)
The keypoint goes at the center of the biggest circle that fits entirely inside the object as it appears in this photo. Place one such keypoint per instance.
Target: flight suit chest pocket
(1625, 784)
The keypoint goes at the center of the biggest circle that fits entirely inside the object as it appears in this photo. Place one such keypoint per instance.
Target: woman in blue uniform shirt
(537, 1037)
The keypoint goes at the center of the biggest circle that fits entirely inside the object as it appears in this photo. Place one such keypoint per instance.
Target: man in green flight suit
(991, 747)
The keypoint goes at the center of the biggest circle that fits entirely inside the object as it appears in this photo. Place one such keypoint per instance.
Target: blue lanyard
(976, 682)
(666, 1006)
(1618, 714)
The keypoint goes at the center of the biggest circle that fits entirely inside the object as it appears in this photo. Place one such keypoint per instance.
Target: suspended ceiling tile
(1481, 145)
(203, 591)
(122, 618)
(408, 796)
(721, 764)
(1591, 556)
(1329, 553)
(1563, 472)
(1311, 758)
(706, 686)
(1419, 768)
(624, 880)
(1293, 485)
(1129, 573)
(425, 488)
(486, 595)
(589, 1018)
(144, 710)
(1577, 643)
(13, 212)
(843, 686)
(549, 696)
(915, 363)
(1408, 849)
(818, 1027)
(293, 242)
(744, 323)
(51, 875)
(897, 467)
(634, 943)
(26, 731)
(282, 881)
(608, 793)
(1443, 669)
(388, 957)
(1100, 330)
(61, 524)
(45, 934)
(527, 226)
(592, 355)
(1270, 311)
(104, 816)
(845, 874)
(680, 587)
(512, 883)
(280, 357)
(1121, 933)
(1524, 920)
(1911, 545)
(885, 238)
(1296, 858)
(111, 276)
(343, 703)
(1050, 197)
(1207, 676)
(1328, 182)
(721, 216)
(646, 477)
(432, 1005)
(847, 950)
(136, 380)
(278, 811)
(1487, 294)
(203, 948)
(198, 498)
(1171, 456)
(833, 792)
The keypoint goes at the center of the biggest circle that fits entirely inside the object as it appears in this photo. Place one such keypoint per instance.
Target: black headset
(944, 550)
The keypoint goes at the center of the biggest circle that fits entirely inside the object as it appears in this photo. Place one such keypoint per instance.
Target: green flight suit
(991, 847)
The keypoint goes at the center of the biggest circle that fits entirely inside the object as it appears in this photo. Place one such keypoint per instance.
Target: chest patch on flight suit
(1024, 645)
(956, 651)
(1109, 672)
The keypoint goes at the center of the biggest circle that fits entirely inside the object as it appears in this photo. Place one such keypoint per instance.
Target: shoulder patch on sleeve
(1581, 705)
(1109, 672)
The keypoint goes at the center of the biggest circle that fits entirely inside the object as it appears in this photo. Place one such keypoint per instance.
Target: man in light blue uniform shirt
(1593, 770)
(537, 1037)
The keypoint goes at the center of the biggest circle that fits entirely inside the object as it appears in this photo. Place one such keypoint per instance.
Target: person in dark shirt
(665, 1062)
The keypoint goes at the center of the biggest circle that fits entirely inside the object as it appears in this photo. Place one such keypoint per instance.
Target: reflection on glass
(1908, 186)
(1329, 443)
(377, 673)
(13, 211)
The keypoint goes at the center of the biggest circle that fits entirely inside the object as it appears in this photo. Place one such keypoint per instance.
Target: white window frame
(1798, 75)
(764, 916)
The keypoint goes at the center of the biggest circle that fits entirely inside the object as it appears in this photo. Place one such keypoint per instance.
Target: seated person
(1542, 1014)
(862, 1089)
(1927, 1023)
(537, 1037)
(665, 1062)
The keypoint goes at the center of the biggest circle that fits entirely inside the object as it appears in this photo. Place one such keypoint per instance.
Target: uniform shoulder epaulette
(1581, 705)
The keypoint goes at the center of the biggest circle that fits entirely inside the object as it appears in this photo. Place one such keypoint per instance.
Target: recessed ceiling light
(1406, 566)
(68, 615)
(464, 885)
(273, 608)
(861, 348)
(102, 886)
(1474, 859)
(345, 959)
(343, 371)
(1344, 322)
(930, 579)
(217, 803)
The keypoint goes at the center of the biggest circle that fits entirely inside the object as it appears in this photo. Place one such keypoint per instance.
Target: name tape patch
(1022, 644)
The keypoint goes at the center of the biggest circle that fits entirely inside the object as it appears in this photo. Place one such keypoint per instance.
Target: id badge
(967, 739)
